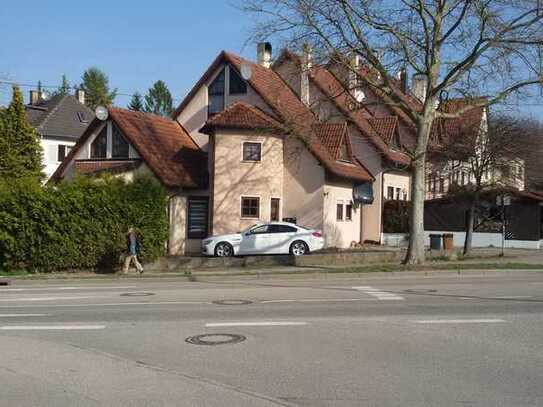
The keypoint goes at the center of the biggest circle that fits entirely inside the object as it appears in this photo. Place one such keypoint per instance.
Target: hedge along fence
(396, 216)
(79, 225)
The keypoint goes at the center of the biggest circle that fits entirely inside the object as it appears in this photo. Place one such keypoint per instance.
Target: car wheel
(299, 248)
(224, 249)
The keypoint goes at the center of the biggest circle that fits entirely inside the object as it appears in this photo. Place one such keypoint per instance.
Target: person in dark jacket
(132, 246)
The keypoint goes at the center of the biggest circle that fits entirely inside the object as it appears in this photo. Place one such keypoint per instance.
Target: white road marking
(512, 297)
(111, 304)
(49, 298)
(263, 323)
(459, 321)
(379, 294)
(51, 327)
(22, 315)
(52, 288)
(317, 300)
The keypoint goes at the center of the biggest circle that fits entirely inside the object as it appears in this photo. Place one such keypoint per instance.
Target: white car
(265, 238)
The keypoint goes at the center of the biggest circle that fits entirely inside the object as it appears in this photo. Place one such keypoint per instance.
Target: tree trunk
(415, 251)
(469, 228)
(470, 222)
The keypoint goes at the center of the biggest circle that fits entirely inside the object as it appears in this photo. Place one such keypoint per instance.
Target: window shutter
(197, 218)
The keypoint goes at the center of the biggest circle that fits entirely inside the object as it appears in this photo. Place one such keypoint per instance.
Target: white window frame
(340, 202)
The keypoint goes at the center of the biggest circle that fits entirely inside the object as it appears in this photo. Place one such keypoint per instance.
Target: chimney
(402, 77)
(264, 54)
(34, 97)
(419, 87)
(80, 95)
(307, 63)
(354, 72)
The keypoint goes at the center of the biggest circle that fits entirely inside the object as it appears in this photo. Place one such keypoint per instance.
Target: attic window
(237, 84)
(119, 146)
(215, 93)
(99, 145)
(344, 153)
(82, 116)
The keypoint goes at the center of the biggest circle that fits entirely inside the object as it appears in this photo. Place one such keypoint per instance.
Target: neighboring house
(130, 143)
(283, 141)
(59, 121)
(471, 129)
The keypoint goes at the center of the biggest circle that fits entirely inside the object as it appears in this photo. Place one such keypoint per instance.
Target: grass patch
(16, 273)
(440, 266)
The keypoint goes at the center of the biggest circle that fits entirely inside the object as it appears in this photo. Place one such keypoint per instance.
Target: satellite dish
(101, 113)
(246, 71)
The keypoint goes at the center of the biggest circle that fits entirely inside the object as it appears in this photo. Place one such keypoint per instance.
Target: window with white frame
(99, 145)
(215, 93)
(339, 211)
(349, 211)
(62, 152)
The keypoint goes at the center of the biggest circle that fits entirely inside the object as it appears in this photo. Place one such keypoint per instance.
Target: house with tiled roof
(128, 144)
(59, 121)
(272, 158)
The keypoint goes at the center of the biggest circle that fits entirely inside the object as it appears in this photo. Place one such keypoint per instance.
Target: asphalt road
(470, 340)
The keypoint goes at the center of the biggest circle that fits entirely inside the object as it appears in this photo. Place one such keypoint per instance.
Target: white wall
(479, 240)
(50, 154)
(340, 233)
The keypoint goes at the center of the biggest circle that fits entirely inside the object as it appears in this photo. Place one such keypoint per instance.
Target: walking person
(132, 246)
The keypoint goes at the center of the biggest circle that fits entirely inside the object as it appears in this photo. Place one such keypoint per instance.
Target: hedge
(79, 225)
(396, 216)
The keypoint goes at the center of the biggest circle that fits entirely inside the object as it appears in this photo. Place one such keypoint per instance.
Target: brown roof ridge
(236, 106)
(162, 143)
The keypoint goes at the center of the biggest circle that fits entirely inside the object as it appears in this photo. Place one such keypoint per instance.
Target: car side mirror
(248, 234)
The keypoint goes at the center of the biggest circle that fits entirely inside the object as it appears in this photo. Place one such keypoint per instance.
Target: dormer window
(110, 143)
(119, 146)
(216, 95)
(99, 145)
(237, 85)
(344, 153)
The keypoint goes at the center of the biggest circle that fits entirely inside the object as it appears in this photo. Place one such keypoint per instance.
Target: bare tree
(457, 47)
(477, 160)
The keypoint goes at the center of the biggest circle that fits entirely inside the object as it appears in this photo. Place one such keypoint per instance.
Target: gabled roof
(60, 116)
(332, 135)
(163, 144)
(327, 83)
(386, 127)
(241, 115)
(293, 115)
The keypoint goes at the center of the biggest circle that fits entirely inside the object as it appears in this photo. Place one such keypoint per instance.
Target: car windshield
(249, 228)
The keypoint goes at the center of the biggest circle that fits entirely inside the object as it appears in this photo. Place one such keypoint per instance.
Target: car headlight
(207, 241)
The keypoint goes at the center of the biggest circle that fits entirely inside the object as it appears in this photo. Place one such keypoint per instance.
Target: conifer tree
(20, 149)
(136, 103)
(159, 100)
(96, 87)
(64, 88)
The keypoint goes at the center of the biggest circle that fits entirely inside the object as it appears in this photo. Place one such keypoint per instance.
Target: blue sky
(134, 45)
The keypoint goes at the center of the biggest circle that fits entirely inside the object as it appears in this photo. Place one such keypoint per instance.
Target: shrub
(79, 225)
(396, 216)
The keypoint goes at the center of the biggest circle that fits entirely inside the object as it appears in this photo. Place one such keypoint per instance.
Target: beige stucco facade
(234, 178)
(340, 232)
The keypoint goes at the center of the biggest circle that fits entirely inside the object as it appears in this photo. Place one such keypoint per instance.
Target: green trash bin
(435, 242)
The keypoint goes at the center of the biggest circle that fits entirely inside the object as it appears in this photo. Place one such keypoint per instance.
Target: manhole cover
(136, 294)
(420, 291)
(215, 339)
(232, 302)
